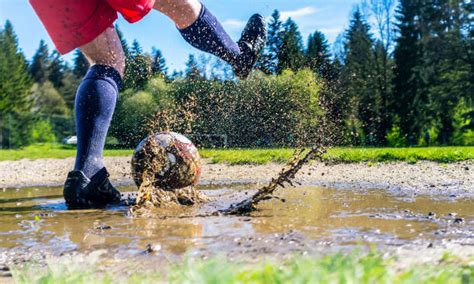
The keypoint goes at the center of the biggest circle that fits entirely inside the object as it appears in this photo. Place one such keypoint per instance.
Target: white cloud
(299, 13)
(233, 23)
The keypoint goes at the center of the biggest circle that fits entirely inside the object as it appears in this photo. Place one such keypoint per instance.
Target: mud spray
(149, 196)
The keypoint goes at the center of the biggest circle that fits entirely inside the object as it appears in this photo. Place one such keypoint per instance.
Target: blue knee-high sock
(94, 107)
(208, 35)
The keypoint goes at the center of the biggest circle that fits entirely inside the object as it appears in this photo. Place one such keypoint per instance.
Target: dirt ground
(454, 180)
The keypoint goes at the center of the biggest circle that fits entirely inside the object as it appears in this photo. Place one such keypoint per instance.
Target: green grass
(339, 268)
(344, 155)
(53, 151)
(263, 156)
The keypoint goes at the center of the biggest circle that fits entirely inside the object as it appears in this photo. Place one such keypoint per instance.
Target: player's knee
(172, 6)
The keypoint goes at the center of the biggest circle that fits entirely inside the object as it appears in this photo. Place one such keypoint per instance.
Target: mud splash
(284, 178)
(150, 196)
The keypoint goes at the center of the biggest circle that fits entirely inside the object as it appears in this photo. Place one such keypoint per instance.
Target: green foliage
(358, 79)
(395, 139)
(291, 51)
(415, 89)
(158, 63)
(463, 133)
(21, 130)
(134, 110)
(268, 62)
(81, 64)
(40, 63)
(47, 100)
(353, 267)
(42, 132)
(192, 69)
(15, 81)
(318, 56)
(433, 66)
(138, 68)
(56, 70)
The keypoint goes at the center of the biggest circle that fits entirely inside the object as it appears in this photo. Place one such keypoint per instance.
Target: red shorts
(73, 23)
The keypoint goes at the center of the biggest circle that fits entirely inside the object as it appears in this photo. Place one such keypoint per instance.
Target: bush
(463, 133)
(42, 132)
(136, 108)
(19, 130)
(395, 138)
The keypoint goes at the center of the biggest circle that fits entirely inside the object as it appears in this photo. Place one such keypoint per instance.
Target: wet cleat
(251, 44)
(81, 192)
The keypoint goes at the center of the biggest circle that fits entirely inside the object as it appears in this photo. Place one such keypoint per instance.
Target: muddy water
(37, 219)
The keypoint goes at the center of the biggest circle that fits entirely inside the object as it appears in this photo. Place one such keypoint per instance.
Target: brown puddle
(37, 219)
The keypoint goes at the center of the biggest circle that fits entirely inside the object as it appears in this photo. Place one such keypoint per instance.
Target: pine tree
(192, 69)
(56, 70)
(268, 62)
(447, 60)
(40, 63)
(68, 90)
(291, 52)
(123, 41)
(410, 95)
(382, 17)
(158, 63)
(358, 78)
(15, 81)
(138, 69)
(318, 56)
(81, 64)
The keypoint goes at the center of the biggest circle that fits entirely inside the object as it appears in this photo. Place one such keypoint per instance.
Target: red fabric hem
(135, 17)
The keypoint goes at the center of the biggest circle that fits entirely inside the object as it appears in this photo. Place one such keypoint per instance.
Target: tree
(291, 52)
(81, 64)
(138, 70)
(123, 41)
(382, 14)
(47, 100)
(192, 69)
(447, 61)
(318, 56)
(268, 62)
(40, 63)
(158, 63)
(15, 84)
(410, 95)
(15, 81)
(358, 80)
(68, 90)
(56, 70)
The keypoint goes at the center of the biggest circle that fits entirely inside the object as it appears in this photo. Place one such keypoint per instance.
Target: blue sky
(330, 17)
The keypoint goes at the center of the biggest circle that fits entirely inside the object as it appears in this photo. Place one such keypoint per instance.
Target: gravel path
(456, 179)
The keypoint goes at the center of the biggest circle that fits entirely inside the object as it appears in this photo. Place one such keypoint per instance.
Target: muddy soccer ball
(175, 161)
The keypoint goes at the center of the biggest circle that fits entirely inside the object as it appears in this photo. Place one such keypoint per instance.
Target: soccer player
(88, 25)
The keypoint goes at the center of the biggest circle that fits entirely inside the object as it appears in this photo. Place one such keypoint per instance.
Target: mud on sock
(208, 35)
(94, 107)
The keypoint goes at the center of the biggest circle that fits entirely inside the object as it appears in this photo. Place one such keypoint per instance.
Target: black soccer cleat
(251, 43)
(80, 192)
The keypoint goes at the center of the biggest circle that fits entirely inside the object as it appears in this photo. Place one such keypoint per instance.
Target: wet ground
(35, 223)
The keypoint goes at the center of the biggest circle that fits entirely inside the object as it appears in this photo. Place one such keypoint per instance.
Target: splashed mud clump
(165, 167)
(284, 178)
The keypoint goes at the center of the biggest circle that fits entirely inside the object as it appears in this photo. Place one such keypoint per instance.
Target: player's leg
(88, 24)
(202, 30)
(88, 184)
